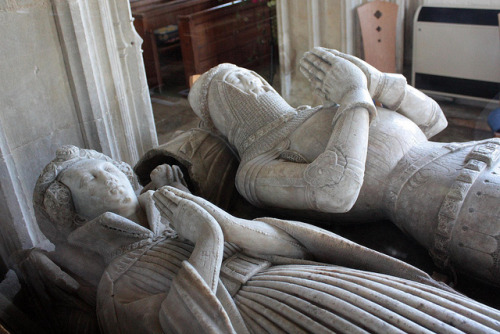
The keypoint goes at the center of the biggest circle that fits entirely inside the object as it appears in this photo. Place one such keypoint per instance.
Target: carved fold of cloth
(323, 299)
(154, 289)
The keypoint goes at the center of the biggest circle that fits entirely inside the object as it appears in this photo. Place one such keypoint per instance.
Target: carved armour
(453, 228)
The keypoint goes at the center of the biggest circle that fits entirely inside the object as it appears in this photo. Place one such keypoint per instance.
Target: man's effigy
(375, 163)
(168, 261)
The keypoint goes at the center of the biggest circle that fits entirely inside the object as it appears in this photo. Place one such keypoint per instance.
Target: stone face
(98, 187)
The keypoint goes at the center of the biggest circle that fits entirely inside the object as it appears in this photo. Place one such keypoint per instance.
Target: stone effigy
(178, 263)
(376, 163)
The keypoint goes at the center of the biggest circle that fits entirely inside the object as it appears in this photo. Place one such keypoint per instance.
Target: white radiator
(456, 52)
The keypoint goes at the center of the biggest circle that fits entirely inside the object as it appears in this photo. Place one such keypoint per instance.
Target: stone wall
(71, 73)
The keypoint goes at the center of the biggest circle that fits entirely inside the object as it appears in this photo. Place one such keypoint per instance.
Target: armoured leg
(448, 200)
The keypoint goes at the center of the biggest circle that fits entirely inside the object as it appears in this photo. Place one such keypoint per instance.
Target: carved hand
(166, 175)
(198, 226)
(186, 219)
(333, 78)
(374, 76)
(189, 219)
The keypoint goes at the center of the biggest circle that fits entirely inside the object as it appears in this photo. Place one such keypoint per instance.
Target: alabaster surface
(350, 156)
(179, 264)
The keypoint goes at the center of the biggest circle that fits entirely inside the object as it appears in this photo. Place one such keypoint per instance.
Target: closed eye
(108, 167)
(84, 181)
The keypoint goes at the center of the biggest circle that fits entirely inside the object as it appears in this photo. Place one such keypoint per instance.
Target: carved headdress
(253, 123)
(52, 200)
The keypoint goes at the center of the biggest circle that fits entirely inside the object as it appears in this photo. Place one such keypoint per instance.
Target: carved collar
(110, 235)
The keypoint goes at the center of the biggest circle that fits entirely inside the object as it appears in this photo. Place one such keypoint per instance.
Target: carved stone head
(79, 185)
(238, 103)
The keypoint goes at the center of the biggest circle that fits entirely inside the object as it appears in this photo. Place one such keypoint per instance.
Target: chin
(129, 209)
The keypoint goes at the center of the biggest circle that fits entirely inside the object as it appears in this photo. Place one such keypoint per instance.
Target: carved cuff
(391, 90)
(357, 97)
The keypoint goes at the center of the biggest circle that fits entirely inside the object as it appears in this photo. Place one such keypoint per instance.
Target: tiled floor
(172, 113)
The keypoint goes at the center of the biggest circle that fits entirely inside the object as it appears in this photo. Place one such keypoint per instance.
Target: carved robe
(150, 287)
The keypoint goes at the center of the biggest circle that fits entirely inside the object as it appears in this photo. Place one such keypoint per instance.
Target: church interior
(114, 76)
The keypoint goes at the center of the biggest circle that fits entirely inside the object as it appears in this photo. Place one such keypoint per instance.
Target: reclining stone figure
(217, 273)
(376, 163)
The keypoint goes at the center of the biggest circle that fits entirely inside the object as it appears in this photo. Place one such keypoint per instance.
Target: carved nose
(247, 81)
(101, 173)
(104, 175)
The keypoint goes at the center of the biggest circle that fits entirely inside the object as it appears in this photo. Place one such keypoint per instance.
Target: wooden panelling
(238, 33)
(153, 14)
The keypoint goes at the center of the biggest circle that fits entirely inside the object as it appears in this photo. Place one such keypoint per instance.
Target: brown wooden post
(378, 30)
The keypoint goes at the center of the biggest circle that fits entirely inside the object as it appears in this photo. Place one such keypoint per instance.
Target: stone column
(104, 60)
(72, 73)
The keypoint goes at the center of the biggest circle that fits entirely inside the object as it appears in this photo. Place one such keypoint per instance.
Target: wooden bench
(150, 15)
(142, 5)
(237, 32)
